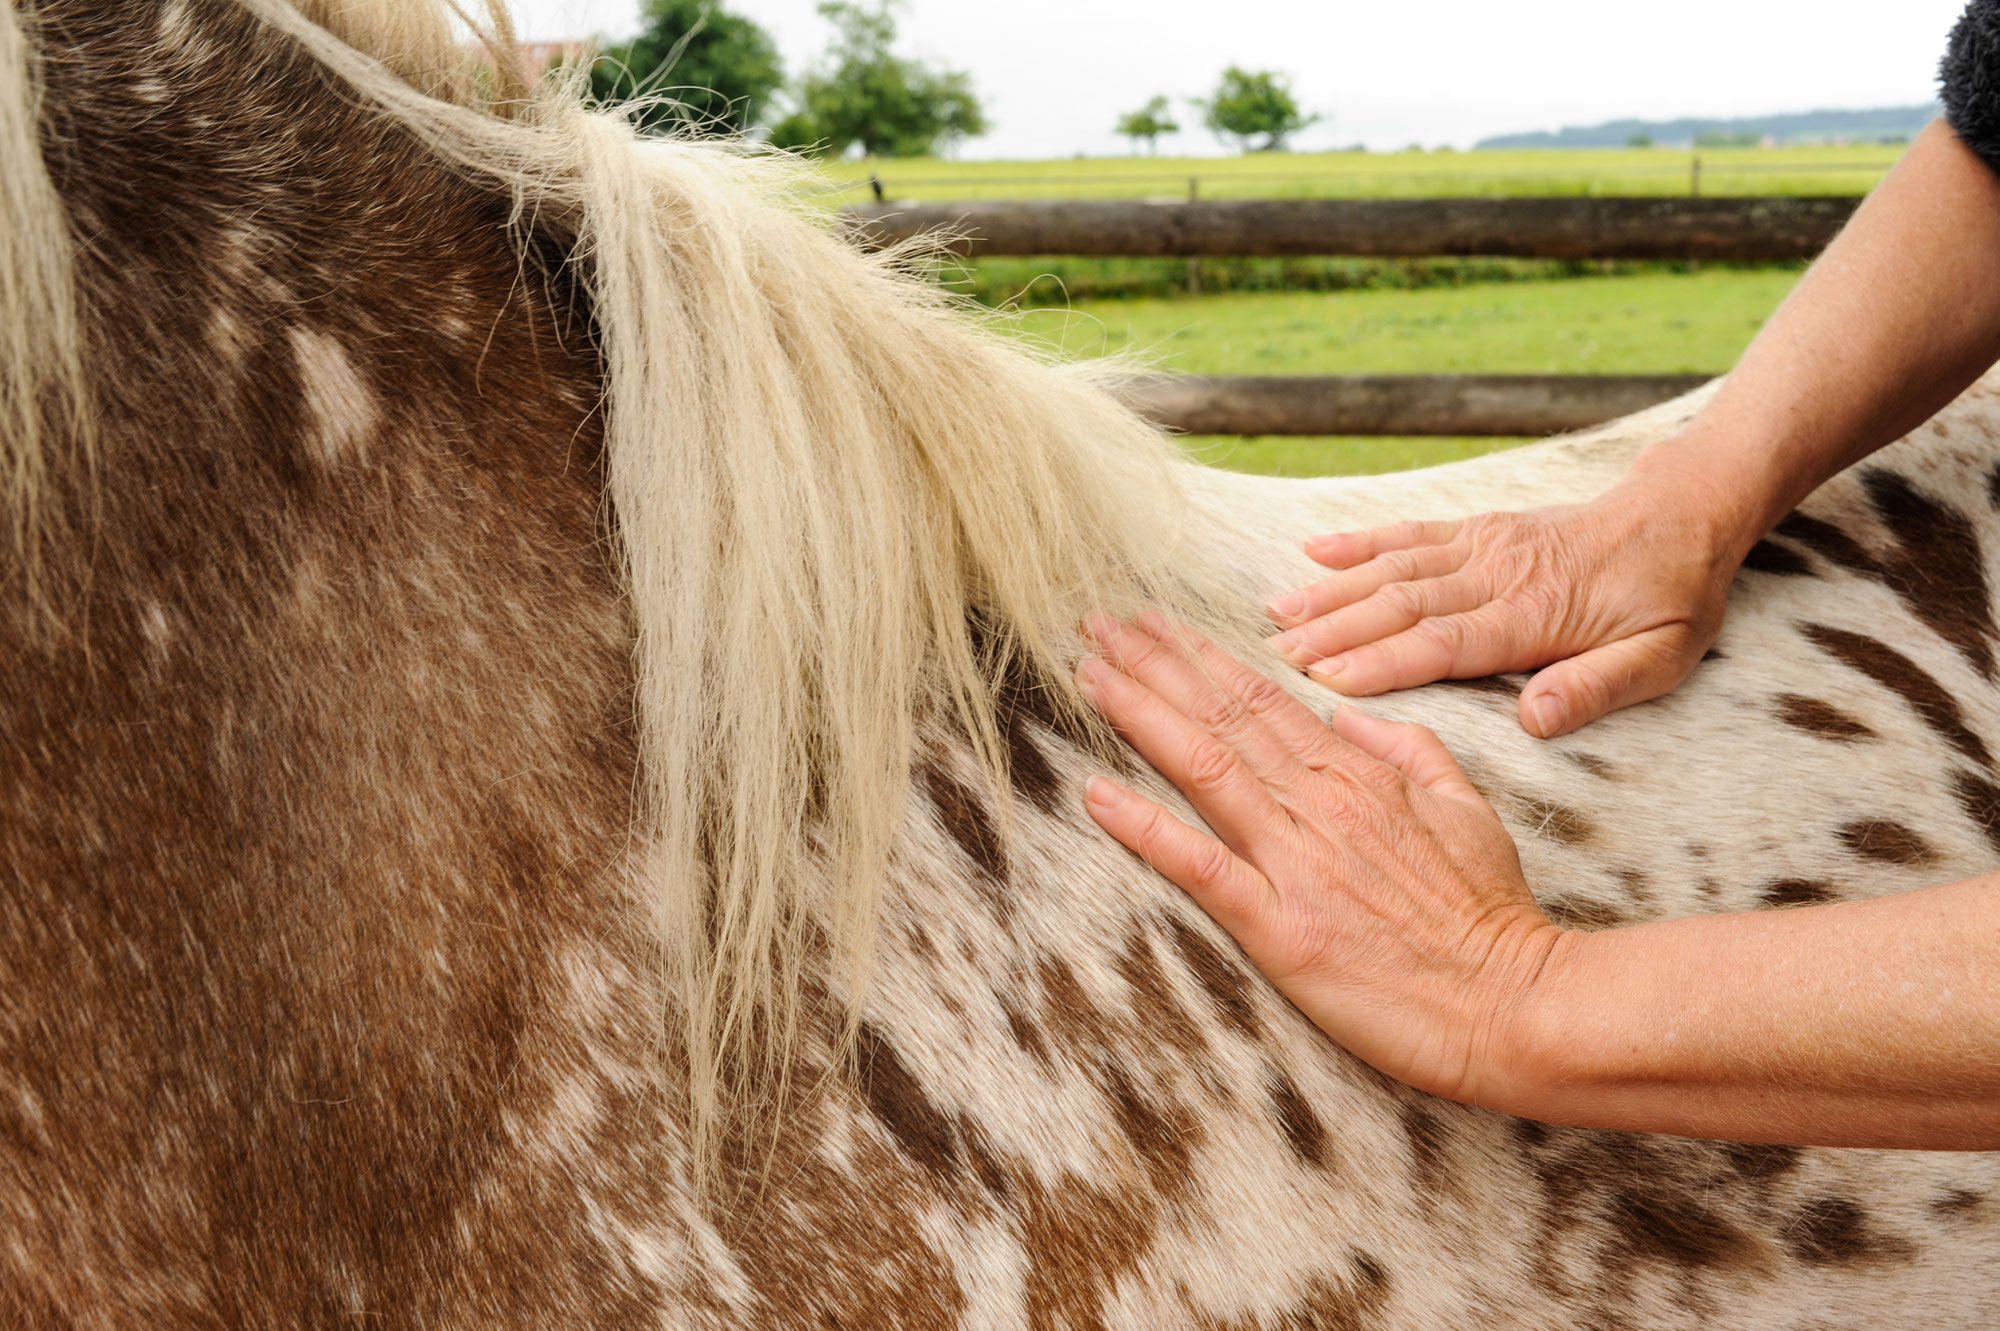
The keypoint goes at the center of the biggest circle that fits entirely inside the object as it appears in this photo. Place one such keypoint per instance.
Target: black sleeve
(1970, 73)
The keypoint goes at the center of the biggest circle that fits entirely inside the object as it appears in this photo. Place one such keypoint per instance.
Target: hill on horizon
(1874, 124)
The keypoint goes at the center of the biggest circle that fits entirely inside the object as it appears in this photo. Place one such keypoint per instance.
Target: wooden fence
(1461, 404)
(1760, 228)
(1559, 228)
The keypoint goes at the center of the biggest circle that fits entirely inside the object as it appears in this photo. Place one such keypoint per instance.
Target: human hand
(1618, 598)
(1356, 866)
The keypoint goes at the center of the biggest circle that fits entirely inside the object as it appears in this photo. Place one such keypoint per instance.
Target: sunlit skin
(1361, 872)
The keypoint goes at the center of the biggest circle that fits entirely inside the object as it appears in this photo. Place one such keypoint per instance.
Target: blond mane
(821, 471)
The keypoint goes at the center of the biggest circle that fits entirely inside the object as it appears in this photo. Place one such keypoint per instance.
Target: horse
(543, 786)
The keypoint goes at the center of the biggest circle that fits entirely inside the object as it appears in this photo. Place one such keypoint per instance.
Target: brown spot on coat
(1298, 1121)
(1798, 892)
(1070, 1015)
(1834, 1231)
(1899, 674)
(1026, 1034)
(897, 1100)
(1958, 1203)
(1819, 718)
(1153, 1000)
(1429, 1146)
(1980, 799)
(1765, 557)
(1938, 568)
(965, 820)
(1225, 982)
(1886, 842)
(1163, 1138)
(1677, 1230)
(1593, 764)
(1560, 822)
(1761, 1161)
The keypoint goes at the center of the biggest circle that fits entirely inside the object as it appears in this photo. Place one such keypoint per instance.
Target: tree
(1148, 123)
(719, 69)
(1250, 103)
(865, 94)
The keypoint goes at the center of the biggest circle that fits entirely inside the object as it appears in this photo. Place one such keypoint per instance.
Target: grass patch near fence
(1645, 323)
(1651, 323)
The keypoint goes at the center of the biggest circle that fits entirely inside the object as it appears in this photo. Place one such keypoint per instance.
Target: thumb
(1570, 694)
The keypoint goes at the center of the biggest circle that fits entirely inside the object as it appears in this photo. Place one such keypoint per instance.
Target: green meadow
(1332, 316)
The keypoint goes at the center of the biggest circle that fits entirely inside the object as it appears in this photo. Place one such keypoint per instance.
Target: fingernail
(1284, 644)
(1327, 669)
(1090, 672)
(1100, 626)
(1287, 606)
(1104, 792)
(1318, 542)
(1551, 713)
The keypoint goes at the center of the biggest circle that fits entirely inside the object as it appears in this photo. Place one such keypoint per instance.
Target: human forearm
(1873, 1023)
(1899, 314)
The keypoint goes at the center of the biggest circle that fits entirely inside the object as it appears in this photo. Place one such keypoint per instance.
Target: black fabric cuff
(1970, 73)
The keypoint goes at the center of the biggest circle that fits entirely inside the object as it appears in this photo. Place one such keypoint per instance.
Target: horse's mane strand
(823, 475)
(44, 402)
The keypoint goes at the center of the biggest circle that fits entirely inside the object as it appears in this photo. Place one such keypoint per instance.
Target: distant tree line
(696, 68)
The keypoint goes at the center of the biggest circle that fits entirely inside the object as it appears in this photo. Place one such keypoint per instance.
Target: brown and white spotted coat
(322, 1001)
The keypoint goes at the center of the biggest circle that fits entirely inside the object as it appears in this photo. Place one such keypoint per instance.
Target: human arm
(1619, 597)
(1361, 872)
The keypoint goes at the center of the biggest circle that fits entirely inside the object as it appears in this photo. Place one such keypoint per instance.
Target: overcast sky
(1055, 74)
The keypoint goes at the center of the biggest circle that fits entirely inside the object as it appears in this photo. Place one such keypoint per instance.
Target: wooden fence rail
(1548, 228)
(1399, 404)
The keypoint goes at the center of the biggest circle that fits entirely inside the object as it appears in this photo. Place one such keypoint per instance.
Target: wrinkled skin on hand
(1356, 866)
(1618, 598)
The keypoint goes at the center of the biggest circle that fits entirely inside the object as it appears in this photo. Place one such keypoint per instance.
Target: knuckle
(1216, 711)
(1209, 864)
(1210, 766)
(1446, 635)
(1402, 565)
(1261, 696)
(1406, 599)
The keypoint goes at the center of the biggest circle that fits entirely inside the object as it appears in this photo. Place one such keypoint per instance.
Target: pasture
(1828, 169)
(1659, 321)
(1335, 315)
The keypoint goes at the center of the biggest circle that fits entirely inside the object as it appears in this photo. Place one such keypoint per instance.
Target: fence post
(1194, 264)
(1694, 176)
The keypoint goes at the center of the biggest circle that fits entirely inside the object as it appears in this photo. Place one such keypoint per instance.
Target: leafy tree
(718, 68)
(1639, 140)
(865, 94)
(1252, 103)
(1148, 123)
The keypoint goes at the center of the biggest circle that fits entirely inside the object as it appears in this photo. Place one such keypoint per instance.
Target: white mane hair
(825, 475)
(43, 397)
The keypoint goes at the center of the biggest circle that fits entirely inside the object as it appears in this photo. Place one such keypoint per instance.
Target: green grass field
(1330, 316)
(1649, 323)
(1791, 170)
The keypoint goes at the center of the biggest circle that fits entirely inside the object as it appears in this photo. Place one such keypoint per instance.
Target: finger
(1411, 749)
(1240, 808)
(1456, 646)
(1236, 895)
(1351, 585)
(1389, 611)
(1571, 694)
(1345, 549)
(1289, 722)
(1164, 660)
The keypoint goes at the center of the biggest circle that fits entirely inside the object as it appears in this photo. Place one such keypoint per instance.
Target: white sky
(1055, 74)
